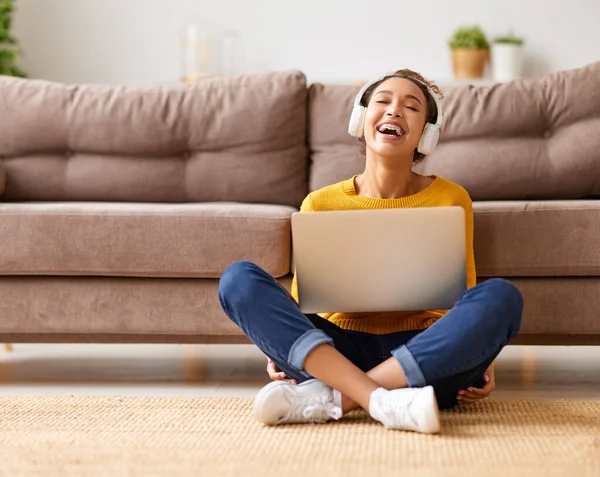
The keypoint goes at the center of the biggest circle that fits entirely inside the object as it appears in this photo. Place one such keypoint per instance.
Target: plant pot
(469, 62)
(507, 61)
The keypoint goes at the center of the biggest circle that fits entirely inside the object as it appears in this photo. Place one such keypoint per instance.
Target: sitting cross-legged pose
(401, 367)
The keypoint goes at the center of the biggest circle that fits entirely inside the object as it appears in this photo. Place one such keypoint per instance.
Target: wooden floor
(522, 372)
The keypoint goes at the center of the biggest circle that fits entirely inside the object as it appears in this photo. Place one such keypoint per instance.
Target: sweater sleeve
(306, 204)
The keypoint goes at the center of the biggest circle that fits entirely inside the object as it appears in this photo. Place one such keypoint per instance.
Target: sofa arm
(2, 178)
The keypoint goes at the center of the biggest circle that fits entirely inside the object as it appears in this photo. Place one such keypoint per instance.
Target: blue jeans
(450, 355)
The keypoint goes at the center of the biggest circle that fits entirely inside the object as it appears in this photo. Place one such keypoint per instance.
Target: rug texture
(88, 436)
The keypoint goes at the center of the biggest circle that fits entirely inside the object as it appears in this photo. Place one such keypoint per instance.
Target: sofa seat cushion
(537, 239)
(142, 240)
(147, 309)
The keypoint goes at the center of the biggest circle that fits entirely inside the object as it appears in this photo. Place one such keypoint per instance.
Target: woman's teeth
(390, 128)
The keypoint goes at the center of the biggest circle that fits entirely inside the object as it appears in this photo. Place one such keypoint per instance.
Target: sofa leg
(8, 347)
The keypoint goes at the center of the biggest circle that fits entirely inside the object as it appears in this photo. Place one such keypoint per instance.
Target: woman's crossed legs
(450, 355)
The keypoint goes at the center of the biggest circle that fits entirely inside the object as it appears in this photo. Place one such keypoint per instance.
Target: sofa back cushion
(527, 139)
(333, 152)
(239, 139)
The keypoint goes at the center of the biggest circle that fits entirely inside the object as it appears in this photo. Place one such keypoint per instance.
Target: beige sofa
(121, 207)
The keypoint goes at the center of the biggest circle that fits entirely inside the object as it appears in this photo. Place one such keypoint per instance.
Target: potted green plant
(507, 57)
(470, 52)
(9, 49)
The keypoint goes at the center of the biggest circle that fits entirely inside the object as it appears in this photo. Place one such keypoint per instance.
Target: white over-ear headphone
(431, 132)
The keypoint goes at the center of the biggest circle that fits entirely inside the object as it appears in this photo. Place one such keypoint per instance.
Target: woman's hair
(431, 112)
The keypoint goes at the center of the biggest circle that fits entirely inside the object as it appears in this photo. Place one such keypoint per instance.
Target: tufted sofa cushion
(528, 139)
(240, 140)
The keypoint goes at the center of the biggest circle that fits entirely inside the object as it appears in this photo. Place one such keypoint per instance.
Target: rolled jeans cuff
(304, 345)
(414, 376)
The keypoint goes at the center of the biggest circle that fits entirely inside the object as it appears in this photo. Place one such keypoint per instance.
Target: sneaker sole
(264, 392)
(259, 399)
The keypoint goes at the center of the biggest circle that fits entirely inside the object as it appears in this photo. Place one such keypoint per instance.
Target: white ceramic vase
(507, 61)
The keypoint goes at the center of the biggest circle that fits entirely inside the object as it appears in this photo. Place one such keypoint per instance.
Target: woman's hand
(276, 374)
(472, 395)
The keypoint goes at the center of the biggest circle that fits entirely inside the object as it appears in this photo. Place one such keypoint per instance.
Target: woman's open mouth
(390, 132)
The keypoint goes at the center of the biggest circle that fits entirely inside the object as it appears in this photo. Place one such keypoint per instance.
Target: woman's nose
(394, 112)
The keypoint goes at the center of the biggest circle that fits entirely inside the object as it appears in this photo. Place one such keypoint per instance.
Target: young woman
(400, 367)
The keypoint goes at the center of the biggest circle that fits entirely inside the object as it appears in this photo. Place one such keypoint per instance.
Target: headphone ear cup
(357, 121)
(429, 139)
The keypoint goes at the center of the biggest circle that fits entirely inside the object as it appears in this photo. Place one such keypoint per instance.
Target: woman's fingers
(468, 401)
(470, 392)
(276, 374)
(477, 392)
(470, 396)
(280, 376)
(473, 397)
(489, 387)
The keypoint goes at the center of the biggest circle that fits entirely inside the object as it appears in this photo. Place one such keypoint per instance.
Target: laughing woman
(401, 367)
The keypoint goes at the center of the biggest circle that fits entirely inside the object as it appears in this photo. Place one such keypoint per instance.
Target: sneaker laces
(312, 408)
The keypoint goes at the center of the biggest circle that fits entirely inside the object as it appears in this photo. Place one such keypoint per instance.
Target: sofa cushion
(240, 139)
(117, 306)
(334, 153)
(142, 240)
(106, 309)
(559, 306)
(537, 239)
(530, 139)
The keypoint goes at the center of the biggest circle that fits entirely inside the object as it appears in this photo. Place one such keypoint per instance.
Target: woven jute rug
(84, 436)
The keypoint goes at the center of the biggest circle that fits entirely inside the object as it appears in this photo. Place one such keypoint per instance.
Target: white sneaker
(283, 403)
(409, 409)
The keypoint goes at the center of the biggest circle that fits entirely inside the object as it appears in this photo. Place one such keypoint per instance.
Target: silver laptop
(379, 260)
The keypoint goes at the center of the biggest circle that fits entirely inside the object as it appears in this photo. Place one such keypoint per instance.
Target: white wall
(137, 42)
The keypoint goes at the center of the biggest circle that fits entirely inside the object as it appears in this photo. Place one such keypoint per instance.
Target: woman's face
(395, 118)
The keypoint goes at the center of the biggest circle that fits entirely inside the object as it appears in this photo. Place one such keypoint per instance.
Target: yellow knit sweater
(343, 196)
